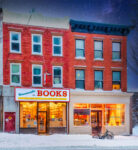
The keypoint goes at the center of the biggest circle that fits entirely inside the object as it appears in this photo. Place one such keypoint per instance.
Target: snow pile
(135, 131)
(28, 140)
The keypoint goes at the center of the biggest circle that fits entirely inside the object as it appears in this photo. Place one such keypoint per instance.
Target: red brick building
(50, 57)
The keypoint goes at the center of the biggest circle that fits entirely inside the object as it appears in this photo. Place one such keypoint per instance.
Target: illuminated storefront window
(81, 114)
(58, 114)
(28, 114)
(115, 114)
(101, 114)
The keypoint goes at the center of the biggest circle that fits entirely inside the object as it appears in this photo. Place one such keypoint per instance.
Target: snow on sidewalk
(29, 140)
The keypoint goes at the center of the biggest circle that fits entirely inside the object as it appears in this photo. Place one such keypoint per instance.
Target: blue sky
(104, 11)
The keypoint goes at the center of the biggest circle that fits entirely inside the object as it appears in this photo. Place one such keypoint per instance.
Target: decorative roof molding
(99, 28)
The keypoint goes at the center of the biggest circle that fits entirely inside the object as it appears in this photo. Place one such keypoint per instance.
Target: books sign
(26, 94)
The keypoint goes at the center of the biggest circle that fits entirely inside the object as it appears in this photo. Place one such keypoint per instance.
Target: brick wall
(68, 60)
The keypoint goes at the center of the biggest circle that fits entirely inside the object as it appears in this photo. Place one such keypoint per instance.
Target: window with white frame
(15, 74)
(80, 48)
(57, 76)
(116, 50)
(36, 44)
(98, 49)
(57, 45)
(15, 42)
(37, 75)
(80, 79)
(98, 79)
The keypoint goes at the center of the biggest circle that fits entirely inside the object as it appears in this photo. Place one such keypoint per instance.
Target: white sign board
(27, 94)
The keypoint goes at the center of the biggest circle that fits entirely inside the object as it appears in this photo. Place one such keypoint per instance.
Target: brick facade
(68, 60)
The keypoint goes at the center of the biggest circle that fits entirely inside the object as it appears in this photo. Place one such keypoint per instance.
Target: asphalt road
(73, 148)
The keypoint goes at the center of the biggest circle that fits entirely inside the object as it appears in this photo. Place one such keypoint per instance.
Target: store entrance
(42, 122)
(96, 121)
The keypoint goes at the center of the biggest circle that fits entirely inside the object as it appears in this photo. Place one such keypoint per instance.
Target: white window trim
(37, 53)
(15, 84)
(36, 85)
(19, 34)
(57, 85)
(57, 45)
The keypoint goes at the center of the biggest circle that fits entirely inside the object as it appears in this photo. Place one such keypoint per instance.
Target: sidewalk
(62, 141)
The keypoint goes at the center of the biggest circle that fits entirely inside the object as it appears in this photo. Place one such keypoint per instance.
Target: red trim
(40, 88)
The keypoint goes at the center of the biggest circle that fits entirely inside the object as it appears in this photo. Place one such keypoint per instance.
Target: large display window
(58, 114)
(28, 115)
(115, 114)
(81, 114)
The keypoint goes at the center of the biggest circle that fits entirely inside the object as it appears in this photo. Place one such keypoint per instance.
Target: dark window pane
(79, 74)
(15, 37)
(57, 71)
(80, 84)
(98, 84)
(36, 38)
(79, 52)
(57, 41)
(57, 49)
(116, 76)
(98, 54)
(15, 46)
(37, 71)
(15, 79)
(115, 55)
(36, 48)
(37, 80)
(82, 111)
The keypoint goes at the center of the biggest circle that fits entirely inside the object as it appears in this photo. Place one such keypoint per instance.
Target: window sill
(56, 86)
(17, 85)
(12, 52)
(81, 58)
(37, 54)
(116, 60)
(98, 59)
(57, 55)
(36, 85)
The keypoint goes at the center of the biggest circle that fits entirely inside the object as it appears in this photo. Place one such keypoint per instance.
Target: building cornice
(99, 28)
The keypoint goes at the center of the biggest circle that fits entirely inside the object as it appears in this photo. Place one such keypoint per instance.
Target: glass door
(96, 121)
(41, 122)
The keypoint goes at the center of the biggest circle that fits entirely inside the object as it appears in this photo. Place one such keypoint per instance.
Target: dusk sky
(104, 11)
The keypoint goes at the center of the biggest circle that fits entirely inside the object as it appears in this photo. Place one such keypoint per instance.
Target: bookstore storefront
(43, 111)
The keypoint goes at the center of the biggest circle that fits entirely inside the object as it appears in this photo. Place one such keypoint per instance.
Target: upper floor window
(80, 48)
(36, 44)
(80, 79)
(57, 76)
(116, 50)
(98, 49)
(37, 75)
(57, 46)
(15, 42)
(98, 79)
(116, 80)
(15, 74)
